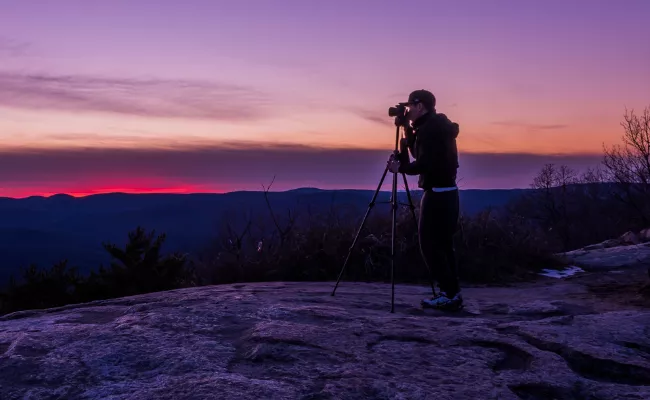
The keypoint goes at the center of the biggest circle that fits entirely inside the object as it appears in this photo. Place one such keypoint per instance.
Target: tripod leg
(415, 221)
(363, 223)
(392, 244)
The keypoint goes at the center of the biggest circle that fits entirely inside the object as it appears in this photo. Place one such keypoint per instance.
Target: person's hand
(401, 121)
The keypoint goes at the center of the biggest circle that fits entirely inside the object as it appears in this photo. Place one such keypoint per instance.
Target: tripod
(393, 201)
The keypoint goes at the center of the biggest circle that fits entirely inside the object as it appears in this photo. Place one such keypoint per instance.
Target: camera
(399, 112)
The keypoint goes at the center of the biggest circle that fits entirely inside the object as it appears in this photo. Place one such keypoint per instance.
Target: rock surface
(644, 235)
(577, 338)
(626, 239)
(622, 256)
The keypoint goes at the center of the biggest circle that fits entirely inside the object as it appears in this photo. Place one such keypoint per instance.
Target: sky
(215, 96)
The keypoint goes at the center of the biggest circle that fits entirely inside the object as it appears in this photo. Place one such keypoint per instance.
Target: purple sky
(215, 95)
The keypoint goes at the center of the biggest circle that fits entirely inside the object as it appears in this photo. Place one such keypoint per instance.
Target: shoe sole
(443, 308)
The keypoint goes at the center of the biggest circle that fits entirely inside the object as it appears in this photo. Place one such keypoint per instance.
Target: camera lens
(396, 111)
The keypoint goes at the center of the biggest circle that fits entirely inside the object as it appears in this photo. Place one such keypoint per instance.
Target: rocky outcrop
(631, 256)
(626, 239)
(549, 339)
(631, 250)
(644, 235)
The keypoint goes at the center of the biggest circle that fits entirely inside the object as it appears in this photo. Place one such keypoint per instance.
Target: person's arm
(426, 148)
(410, 139)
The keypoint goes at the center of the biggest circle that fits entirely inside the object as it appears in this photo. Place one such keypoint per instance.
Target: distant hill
(44, 230)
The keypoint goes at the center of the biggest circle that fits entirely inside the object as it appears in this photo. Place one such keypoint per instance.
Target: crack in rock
(544, 391)
(643, 349)
(594, 368)
(513, 357)
(400, 338)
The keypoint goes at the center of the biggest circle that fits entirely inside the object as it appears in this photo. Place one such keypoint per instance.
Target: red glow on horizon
(83, 190)
(128, 190)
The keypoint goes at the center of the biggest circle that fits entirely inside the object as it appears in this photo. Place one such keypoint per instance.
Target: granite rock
(547, 339)
(599, 258)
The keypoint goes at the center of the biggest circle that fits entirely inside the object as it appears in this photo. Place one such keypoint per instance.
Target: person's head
(420, 102)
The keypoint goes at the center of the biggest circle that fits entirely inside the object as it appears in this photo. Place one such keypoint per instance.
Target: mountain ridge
(45, 230)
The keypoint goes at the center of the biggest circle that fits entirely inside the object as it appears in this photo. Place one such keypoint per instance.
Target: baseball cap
(422, 96)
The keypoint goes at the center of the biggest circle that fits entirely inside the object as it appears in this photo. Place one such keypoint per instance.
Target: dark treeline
(564, 210)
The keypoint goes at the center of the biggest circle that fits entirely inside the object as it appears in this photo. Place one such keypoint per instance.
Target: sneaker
(443, 302)
(438, 298)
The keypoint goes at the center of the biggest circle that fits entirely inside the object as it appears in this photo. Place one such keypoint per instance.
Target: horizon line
(180, 193)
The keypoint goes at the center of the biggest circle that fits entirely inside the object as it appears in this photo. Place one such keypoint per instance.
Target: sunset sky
(213, 96)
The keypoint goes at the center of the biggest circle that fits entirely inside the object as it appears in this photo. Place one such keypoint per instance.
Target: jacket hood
(449, 125)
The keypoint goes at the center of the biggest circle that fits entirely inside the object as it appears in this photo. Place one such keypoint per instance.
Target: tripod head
(400, 112)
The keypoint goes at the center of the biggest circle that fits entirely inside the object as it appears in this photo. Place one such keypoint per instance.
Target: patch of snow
(555, 273)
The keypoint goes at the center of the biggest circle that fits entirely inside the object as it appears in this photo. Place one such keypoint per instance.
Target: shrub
(491, 247)
(136, 269)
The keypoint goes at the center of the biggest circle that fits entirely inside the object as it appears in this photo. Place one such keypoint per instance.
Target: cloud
(13, 48)
(241, 166)
(139, 97)
(504, 170)
(133, 140)
(377, 116)
(530, 126)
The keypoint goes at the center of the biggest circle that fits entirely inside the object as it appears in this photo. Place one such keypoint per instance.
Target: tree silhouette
(42, 288)
(628, 165)
(139, 267)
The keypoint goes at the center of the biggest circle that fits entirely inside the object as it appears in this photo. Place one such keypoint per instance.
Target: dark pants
(439, 213)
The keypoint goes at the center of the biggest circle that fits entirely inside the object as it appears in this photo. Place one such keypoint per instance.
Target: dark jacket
(432, 142)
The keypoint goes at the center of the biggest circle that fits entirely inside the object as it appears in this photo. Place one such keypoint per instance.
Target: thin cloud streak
(237, 167)
(530, 126)
(138, 97)
(376, 117)
(12, 48)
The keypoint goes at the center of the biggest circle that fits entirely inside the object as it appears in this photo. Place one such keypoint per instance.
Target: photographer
(431, 140)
